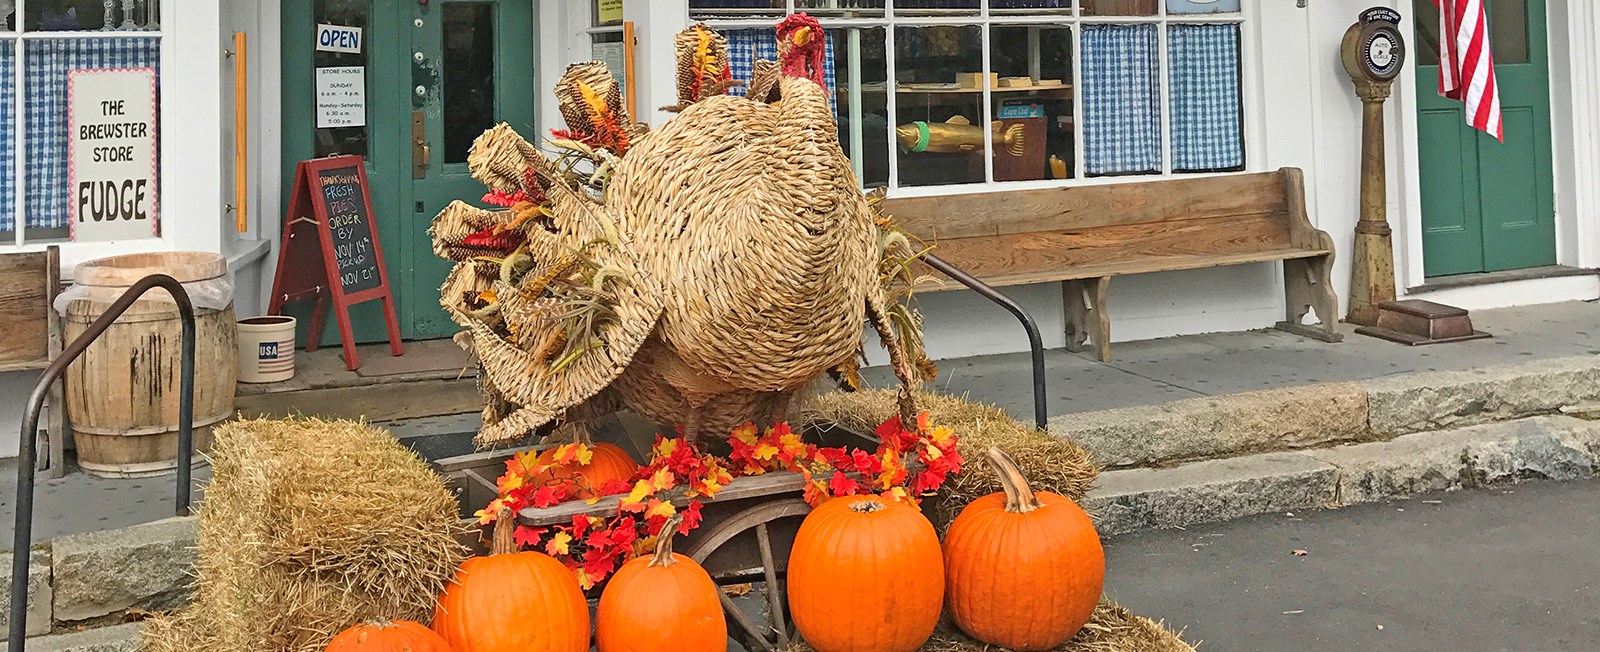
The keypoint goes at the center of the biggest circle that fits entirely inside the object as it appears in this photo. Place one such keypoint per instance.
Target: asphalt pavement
(1514, 568)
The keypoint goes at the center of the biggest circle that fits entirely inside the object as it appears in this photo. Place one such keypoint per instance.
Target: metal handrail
(1041, 414)
(28, 448)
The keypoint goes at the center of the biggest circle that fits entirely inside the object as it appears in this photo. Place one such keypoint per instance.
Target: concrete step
(1327, 414)
(1541, 447)
(118, 638)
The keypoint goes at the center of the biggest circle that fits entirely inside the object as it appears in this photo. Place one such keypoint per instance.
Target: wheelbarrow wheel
(725, 550)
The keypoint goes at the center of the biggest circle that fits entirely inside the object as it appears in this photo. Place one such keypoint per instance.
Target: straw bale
(1112, 629)
(308, 527)
(1050, 463)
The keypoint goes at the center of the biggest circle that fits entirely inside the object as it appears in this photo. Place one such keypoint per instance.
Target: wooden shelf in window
(904, 90)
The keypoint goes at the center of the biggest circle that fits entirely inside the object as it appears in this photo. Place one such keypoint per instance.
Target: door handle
(419, 146)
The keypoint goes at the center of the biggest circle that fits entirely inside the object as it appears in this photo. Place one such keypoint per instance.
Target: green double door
(1487, 206)
(437, 74)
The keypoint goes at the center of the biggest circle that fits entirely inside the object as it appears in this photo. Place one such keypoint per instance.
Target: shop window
(469, 47)
(332, 139)
(996, 91)
(57, 39)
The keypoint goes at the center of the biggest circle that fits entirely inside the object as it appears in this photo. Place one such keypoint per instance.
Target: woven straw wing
(702, 64)
(764, 77)
(751, 215)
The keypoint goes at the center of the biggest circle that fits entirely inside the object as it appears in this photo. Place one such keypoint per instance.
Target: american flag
(1466, 67)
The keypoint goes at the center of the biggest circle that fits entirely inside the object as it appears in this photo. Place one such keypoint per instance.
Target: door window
(336, 62)
(469, 83)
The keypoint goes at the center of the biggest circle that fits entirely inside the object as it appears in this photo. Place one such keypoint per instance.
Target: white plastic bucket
(266, 349)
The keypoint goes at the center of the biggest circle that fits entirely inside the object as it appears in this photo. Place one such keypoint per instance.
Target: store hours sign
(111, 154)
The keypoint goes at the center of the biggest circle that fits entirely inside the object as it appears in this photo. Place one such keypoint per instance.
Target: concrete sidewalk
(1169, 369)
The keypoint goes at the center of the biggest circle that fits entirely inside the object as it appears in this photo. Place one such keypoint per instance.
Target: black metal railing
(28, 447)
(1041, 413)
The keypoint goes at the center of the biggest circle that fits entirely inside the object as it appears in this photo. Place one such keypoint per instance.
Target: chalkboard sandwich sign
(330, 252)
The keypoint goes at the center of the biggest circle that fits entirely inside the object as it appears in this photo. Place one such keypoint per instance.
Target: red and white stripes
(1466, 66)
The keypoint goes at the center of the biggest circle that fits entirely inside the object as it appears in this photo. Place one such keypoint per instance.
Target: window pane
(1121, 100)
(747, 46)
(1207, 119)
(8, 139)
(1119, 8)
(8, 15)
(1033, 103)
(939, 99)
(91, 15)
(1203, 6)
(841, 8)
(1030, 6)
(734, 8)
(863, 49)
(47, 198)
(468, 75)
(936, 7)
(336, 141)
(1508, 31)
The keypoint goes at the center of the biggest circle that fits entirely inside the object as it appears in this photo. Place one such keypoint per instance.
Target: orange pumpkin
(513, 602)
(388, 636)
(865, 575)
(662, 603)
(609, 462)
(1023, 570)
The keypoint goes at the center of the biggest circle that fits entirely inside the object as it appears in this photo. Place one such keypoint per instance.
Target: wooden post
(241, 134)
(1372, 277)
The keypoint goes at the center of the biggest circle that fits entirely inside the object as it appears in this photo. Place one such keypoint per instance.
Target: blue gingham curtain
(1121, 99)
(46, 64)
(1203, 71)
(747, 46)
(8, 100)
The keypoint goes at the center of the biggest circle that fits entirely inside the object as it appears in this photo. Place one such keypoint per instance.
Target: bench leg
(1308, 287)
(1086, 316)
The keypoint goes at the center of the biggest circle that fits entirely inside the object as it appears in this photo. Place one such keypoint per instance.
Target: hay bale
(1112, 629)
(308, 527)
(1050, 463)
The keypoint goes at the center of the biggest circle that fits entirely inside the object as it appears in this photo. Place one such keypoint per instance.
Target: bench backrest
(1041, 232)
(29, 283)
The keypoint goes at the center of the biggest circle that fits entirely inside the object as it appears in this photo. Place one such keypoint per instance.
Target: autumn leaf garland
(908, 464)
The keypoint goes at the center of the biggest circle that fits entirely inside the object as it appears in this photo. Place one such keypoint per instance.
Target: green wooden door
(1487, 206)
(457, 66)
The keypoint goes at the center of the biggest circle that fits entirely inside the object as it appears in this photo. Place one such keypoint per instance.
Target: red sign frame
(301, 276)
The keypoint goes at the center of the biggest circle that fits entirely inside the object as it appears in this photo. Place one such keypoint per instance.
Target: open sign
(337, 38)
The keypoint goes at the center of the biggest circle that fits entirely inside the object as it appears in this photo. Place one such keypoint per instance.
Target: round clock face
(1381, 51)
(1384, 52)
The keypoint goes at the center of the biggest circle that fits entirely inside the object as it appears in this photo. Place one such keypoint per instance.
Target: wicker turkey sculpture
(698, 274)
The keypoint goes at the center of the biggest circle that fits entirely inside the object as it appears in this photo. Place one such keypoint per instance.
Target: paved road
(1516, 568)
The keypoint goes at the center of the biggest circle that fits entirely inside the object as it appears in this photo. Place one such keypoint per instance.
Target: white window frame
(984, 19)
(18, 40)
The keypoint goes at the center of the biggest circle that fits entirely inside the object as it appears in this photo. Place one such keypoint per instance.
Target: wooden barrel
(122, 393)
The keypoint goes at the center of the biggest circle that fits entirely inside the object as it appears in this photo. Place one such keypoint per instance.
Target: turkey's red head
(801, 45)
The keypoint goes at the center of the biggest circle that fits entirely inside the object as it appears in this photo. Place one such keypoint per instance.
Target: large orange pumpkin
(387, 636)
(513, 602)
(865, 575)
(609, 462)
(662, 603)
(1024, 570)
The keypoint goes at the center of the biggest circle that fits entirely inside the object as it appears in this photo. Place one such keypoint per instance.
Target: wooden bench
(30, 336)
(1083, 236)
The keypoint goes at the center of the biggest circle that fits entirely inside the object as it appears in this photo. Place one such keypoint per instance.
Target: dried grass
(1050, 464)
(308, 527)
(1112, 629)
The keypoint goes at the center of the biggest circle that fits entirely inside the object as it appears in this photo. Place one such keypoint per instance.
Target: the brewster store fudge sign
(111, 153)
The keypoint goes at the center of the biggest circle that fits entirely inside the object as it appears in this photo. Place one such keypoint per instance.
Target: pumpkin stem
(505, 532)
(1019, 497)
(663, 556)
(867, 506)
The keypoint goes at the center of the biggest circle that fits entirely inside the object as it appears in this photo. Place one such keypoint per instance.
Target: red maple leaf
(843, 485)
(528, 536)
